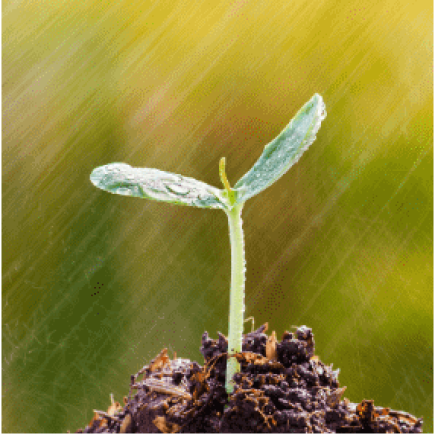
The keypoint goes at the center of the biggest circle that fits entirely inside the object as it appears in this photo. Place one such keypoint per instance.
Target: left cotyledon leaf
(154, 184)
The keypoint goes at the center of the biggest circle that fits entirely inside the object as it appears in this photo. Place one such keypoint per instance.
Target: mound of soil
(282, 387)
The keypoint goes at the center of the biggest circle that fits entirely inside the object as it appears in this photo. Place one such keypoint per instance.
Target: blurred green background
(95, 285)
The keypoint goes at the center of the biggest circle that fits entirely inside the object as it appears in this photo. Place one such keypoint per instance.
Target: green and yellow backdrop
(95, 285)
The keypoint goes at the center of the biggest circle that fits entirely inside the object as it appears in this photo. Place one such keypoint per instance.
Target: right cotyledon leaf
(147, 183)
(284, 151)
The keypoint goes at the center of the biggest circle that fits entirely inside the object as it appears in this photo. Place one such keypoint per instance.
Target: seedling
(278, 156)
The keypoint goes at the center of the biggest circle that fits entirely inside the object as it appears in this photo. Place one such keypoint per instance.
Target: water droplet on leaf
(124, 191)
(177, 189)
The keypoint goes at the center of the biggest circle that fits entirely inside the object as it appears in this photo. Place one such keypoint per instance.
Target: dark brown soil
(282, 387)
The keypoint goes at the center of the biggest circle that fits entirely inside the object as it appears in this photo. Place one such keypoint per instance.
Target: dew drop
(124, 191)
(113, 168)
(177, 189)
(154, 193)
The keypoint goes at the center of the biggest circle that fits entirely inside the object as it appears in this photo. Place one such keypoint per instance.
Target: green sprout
(278, 156)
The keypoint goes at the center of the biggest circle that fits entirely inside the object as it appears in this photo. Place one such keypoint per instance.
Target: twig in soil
(106, 415)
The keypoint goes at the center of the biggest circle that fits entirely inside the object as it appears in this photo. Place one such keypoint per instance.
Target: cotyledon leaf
(284, 151)
(120, 178)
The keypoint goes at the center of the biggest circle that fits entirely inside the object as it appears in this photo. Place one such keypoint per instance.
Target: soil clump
(282, 388)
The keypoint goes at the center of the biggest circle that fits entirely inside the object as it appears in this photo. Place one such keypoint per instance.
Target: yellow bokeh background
(95, 285)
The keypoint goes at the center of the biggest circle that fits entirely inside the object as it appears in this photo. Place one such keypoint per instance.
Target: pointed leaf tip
(284, 151)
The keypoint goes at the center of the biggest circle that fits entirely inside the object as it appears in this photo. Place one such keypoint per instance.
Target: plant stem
(236, 309)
